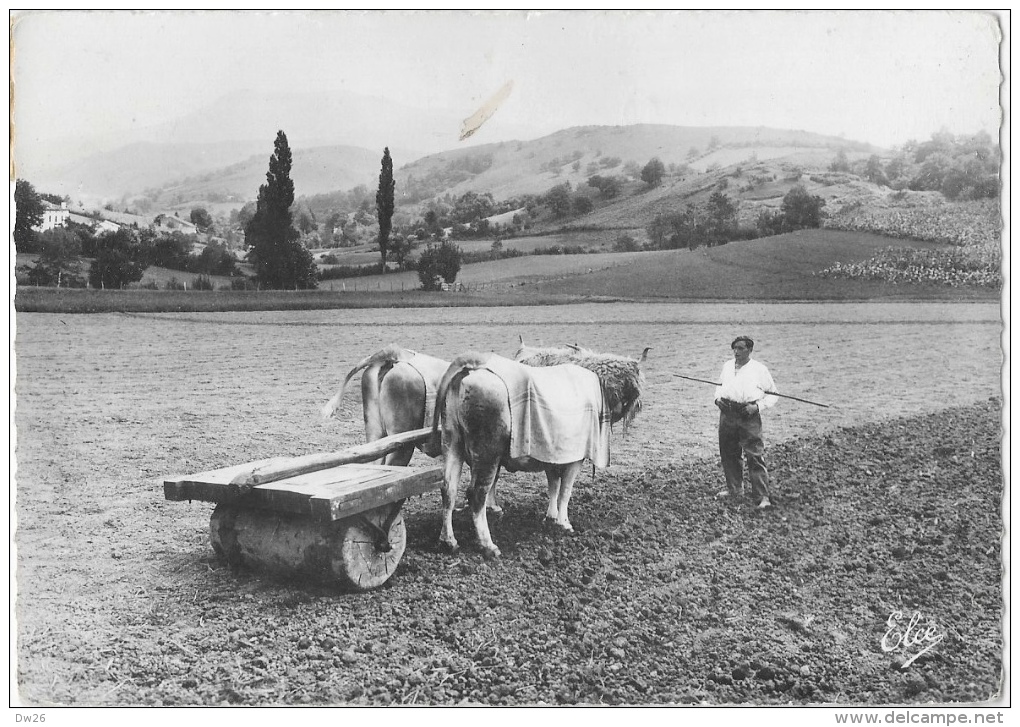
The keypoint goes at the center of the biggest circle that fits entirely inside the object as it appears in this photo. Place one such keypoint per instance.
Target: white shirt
(747, 385)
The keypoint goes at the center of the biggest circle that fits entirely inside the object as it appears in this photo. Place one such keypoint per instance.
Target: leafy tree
(58, 262)
(582, 205)
(304, 218)
(653, 172)
(770, 222)
(713, 143)
(384, 202)
(54, 198)
(439, 262)
(873, 170)
(117, 262)
(721, 225)
(201, 218)
(608, 187)
(677, 229)
(840, 163)
(280, 260)
(692, 153)
(432, 222)
(896, 168)
(216, 259)
(558, 200)
(244, 215)
(400, 247)
(29, 215)
(473, 206)
(171, 250)
(801, 210)
(86, 237)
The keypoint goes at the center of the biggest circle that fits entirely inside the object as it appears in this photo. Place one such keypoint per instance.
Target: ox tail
(391, 355)
(463, 363)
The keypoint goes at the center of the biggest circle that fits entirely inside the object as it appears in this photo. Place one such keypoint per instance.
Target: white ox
(397, 389)
(479, 406)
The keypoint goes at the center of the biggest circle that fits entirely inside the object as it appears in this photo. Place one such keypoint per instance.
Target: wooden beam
(271, 472)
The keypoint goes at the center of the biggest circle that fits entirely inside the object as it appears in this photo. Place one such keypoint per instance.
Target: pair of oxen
(472, 421)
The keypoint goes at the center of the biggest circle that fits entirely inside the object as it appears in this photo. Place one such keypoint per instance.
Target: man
(741, 397)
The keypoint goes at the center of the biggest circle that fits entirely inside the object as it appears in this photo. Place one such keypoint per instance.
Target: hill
(315, 170)
(752, 183)
(510, 169)
(139, 166)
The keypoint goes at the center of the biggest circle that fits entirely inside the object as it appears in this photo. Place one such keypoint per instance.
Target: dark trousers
(741, 435)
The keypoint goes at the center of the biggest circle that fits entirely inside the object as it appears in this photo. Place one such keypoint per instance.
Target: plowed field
(887, 503)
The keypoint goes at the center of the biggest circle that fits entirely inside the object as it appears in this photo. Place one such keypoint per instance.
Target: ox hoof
(553, 524)
(491, 553)
(448, 547)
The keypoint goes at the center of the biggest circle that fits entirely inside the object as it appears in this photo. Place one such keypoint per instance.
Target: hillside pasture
(784, 267)
(664, 596)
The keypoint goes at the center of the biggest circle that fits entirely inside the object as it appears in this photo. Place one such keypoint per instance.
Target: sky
(878, 77)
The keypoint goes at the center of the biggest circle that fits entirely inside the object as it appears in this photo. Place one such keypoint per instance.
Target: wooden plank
(295, 493)
(263, 473)
(353, 501)
(211, 485)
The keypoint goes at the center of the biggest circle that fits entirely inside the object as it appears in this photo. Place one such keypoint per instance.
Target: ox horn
(644, 355)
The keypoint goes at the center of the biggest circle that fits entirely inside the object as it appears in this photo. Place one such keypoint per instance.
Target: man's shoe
(765, 503)
(727, 495)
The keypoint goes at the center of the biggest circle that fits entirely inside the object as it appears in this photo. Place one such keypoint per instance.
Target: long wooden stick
(773, 393)
(315, 462)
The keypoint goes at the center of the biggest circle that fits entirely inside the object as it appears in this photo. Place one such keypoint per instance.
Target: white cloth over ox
(558, 413)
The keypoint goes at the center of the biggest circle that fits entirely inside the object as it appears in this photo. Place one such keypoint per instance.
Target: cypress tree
(384, 203)
(280, 260)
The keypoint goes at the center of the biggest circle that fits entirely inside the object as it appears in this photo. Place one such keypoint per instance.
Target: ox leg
(451, 478)
(483, 479)
(567, 475)
(553, 475)
(490, 501)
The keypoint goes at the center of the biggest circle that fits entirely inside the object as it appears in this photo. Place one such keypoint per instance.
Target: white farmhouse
(53, 216)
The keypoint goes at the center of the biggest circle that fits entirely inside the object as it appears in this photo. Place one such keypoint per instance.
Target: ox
(494, 412)
(397, 390)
